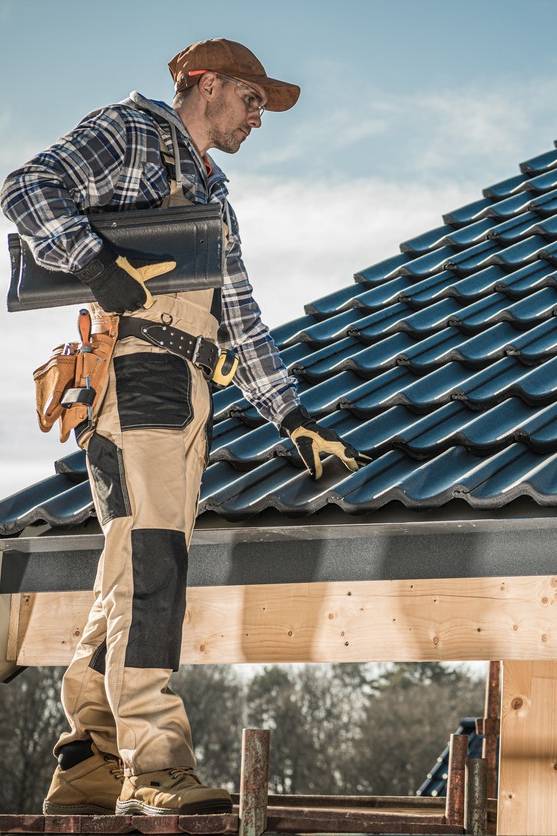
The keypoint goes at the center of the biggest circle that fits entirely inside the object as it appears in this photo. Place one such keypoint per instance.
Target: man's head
(221, 92)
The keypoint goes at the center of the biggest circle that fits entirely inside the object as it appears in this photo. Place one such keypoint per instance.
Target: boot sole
(136, 807)
(52, 809)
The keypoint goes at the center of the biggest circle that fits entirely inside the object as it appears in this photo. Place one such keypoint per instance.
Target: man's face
(233, 112)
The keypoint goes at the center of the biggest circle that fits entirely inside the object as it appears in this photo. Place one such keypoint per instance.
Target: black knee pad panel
(153, 390)
(160, 566)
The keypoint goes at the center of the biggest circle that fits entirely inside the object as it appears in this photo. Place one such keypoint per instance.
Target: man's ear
(207, 84)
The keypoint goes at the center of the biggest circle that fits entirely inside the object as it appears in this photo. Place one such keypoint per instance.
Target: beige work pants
(145, 461)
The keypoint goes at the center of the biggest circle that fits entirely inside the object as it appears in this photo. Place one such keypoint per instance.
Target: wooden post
(527, 798)
(475, 807)
(490, 726)
(254, 781)
(454, 806)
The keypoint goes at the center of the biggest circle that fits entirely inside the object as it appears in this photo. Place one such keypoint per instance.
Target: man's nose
(254, 119)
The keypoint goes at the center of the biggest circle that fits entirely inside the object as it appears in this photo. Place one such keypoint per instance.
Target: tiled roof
(435, 783)
(440, 362)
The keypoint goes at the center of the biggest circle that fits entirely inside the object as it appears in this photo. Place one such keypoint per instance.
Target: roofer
(129, 745)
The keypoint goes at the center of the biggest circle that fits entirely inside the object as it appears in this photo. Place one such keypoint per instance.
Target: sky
(408, 109)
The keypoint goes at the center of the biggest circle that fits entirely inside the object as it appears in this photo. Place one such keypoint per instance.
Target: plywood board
(528, 749)
(402, 620)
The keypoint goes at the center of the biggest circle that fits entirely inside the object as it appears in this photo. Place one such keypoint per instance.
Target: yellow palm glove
(313, 441)
(143, 274)
(117, 285)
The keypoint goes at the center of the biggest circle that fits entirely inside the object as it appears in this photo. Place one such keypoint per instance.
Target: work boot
(86, 781)
(169, 792)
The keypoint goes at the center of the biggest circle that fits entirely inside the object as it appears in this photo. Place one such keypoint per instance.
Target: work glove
(313, 441)
(116, 284)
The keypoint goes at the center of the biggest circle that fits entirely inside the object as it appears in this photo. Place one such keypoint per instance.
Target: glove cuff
(94, 269)
(293, 419)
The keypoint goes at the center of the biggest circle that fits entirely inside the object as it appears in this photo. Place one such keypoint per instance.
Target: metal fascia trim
(263, 534)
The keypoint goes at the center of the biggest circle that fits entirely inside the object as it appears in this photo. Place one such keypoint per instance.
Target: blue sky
(407, 110)
(377, 76)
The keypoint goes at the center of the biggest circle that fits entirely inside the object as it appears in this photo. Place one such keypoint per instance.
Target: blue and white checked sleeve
(46, 197)
(261, 375)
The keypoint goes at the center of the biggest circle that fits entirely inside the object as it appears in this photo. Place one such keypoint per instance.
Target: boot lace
(116, 767)
(180, 772)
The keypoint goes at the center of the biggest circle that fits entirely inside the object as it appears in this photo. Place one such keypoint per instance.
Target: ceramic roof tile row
(440, 362)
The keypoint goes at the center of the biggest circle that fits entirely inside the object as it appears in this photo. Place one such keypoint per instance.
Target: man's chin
(229, 148)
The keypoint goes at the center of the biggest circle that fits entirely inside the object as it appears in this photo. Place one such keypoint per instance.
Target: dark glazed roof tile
(539, 164)
(467, 214)
(545, 204)
(506, 187)
(541, 183)
(426, 242)
(378, 273)
(510, 207)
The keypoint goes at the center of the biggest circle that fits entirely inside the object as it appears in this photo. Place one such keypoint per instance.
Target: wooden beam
(402, 620)
(528, 750)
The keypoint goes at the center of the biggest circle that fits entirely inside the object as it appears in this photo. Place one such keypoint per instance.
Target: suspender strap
(202, 353)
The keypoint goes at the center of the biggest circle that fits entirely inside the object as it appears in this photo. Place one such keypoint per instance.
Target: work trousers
(145, 460)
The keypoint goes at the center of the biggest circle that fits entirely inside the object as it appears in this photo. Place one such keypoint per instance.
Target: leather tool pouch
(71, 385)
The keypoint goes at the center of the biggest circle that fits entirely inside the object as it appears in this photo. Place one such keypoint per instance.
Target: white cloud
(457, 132)
(303, 240)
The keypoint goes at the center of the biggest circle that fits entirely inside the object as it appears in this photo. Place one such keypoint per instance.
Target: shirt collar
(164, 110)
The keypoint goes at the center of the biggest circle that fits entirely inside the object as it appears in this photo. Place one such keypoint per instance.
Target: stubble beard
(226, 142)
(223, 141)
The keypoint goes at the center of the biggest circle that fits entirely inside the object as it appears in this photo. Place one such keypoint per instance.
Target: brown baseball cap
(230, 58)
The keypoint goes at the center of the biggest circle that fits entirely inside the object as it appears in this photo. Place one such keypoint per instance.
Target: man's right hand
(116, 284)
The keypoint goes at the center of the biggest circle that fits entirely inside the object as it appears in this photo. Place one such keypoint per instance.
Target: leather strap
(202, 353)
(85, 394)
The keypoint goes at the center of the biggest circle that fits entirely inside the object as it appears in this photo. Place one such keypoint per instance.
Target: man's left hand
(313, 441)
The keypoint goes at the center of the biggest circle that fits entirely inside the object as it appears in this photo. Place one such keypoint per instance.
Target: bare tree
(31, 718)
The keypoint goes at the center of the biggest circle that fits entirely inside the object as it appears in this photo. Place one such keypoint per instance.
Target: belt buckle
(196, 349)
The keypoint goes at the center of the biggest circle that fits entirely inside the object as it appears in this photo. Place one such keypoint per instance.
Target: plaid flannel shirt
(111, 159)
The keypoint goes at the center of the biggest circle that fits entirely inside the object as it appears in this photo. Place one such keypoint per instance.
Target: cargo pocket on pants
(153, 391)
(107, 470)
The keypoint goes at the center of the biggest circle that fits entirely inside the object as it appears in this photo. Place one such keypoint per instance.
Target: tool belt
(71, 385)
(218, 366)
(202, 353)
